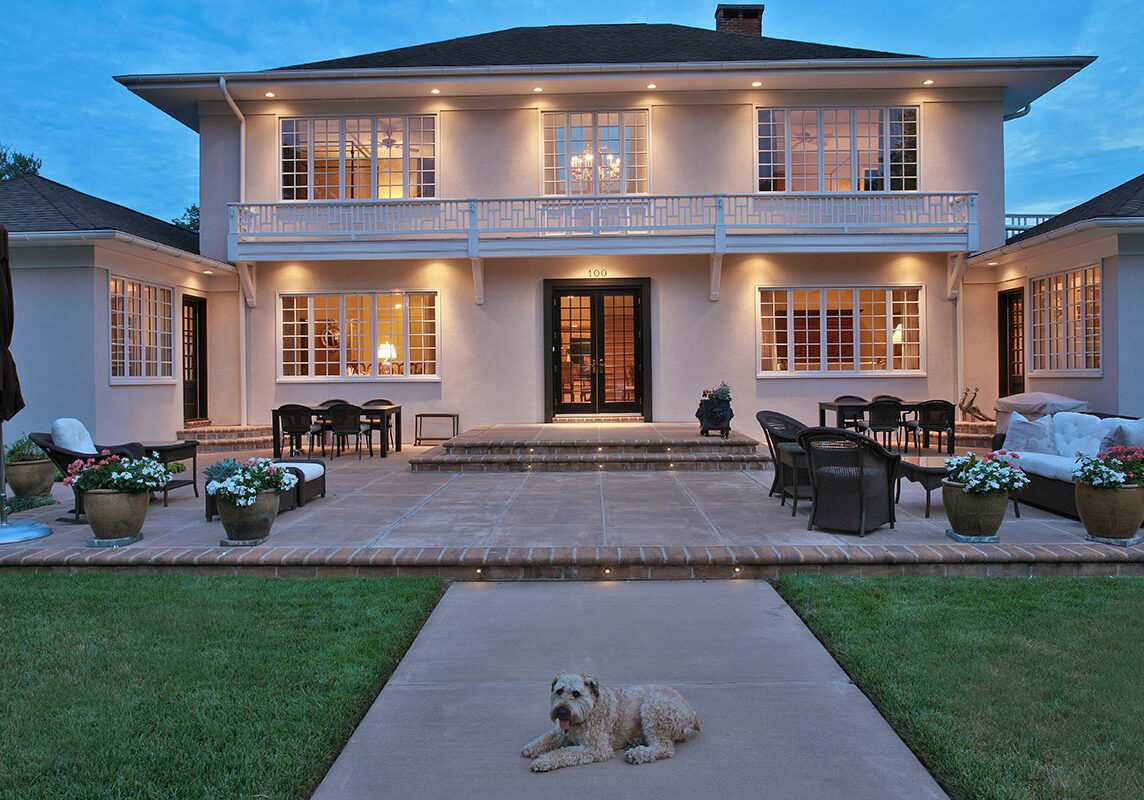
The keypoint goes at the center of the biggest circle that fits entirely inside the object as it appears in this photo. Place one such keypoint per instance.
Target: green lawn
(156, 686)
(1005, 688)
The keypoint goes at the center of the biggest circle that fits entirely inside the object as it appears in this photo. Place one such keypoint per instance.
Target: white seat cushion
(1047, 465)
(1030, 436)
(309, 471)
(1079, 433)
(70, 434)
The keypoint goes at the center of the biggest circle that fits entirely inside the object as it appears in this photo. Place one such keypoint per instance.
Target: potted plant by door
(30, 472)
(116, 491)
(975, 493)
(714, 412)
(1109, 495)
(248, 500)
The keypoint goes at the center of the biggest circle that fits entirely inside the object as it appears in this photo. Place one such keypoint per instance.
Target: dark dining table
(839, 407)
(380, 414)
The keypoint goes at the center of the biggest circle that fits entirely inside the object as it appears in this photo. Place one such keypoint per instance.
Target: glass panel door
(597, 348)
(194, 358)
(1011, 341)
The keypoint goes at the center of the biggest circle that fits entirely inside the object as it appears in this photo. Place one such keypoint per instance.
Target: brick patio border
(593, 563)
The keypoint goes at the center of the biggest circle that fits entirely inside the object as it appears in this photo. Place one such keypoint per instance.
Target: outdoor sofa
(1047, 448)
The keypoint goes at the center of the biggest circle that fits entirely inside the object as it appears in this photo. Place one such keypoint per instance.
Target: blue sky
(60, 102)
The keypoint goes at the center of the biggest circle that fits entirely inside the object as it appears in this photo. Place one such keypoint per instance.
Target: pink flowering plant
(1111, 469)
(993, 472)
(720, 392)
(107, 471)
(256, 475)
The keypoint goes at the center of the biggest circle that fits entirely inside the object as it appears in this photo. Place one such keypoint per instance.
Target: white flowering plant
(993, 472)
(256, 475)
(1103, 473)
(107, 471)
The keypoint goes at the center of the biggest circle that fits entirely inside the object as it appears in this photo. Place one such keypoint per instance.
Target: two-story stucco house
(601, 219)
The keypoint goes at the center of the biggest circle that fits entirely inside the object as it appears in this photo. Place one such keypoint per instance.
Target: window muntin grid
(359, 158)
(358, 335)
(862, 330)
(595, 153)
(141, 326)
(837, 149)
(1065, 321)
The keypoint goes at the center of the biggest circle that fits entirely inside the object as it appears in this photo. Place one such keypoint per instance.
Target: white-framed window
(595, 152)
(1065, 322)
(141, 324)
(358, 335)
(859, 330)
(838, 149)
(359, 158)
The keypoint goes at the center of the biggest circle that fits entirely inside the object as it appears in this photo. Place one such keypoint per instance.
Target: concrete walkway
(780, 717)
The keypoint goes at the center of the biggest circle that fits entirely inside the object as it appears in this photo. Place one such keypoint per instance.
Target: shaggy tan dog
(593, 722)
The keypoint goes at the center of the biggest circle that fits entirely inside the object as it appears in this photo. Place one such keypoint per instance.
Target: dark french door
(194, 358)
(596, 348)
(1011, 341)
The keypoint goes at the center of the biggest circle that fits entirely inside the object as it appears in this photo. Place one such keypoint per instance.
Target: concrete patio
(380, 516)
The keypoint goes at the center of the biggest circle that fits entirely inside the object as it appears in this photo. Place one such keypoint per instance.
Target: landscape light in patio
(607, 571)
(738, 570)
(478, 570)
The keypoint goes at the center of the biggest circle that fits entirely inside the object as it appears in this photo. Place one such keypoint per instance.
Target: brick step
(208, 433)
(243, 444)
(975, 427)
(597, 418)
(437, 460)
(975, 441)
(567, 448)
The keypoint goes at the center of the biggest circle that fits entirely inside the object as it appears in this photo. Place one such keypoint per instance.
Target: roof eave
(1110, 224)
(73, 238)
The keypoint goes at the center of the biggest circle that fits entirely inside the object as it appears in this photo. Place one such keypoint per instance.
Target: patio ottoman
(311, 475)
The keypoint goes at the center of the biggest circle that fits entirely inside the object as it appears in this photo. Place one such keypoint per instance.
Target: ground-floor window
(141, 325)
(359, 334)
(1065, 330)
(840, 330)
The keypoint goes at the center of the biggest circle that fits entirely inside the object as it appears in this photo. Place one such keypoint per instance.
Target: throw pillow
(70, 434)
(1126, 433)
(1029, 436)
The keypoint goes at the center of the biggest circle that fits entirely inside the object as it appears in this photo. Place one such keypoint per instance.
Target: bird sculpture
(973, 411)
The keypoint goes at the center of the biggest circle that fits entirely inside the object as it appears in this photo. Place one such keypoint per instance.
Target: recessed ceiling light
(537, 89)
(927, 82)
(434, 91)
(991, 263)
(756, 84)
(270, 94)
(651, 86)
(208, 272)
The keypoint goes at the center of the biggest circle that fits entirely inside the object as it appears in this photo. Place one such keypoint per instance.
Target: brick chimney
(747, 20)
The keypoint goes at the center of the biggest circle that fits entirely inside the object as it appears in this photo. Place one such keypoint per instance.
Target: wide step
(438, 460)
(227, 438)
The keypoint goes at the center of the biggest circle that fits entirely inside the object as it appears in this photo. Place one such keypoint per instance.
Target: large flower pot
(31, 478)
(249, 523)
(1111, 513)
(973, 517)
(714, 415)
(113, 514)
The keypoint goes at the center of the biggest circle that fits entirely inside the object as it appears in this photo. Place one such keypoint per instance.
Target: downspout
(1020, 112)
(242, 310)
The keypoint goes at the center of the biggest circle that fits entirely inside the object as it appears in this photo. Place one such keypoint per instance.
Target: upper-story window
(359, 158)
(595, 152)
(1065, 330)
(838, 149)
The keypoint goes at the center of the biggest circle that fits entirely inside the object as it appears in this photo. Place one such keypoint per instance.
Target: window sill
(141, 382)
(1067, 373)
(847, 375)
(363, 379)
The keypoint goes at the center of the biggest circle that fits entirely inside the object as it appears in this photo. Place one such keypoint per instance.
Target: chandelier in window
(583, 165)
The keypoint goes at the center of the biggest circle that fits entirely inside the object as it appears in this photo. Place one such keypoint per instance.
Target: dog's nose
(563, 712)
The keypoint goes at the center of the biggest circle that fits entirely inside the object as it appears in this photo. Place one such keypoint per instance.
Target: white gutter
(65, 238)
(241, 139)
(242, 311)
(1128, 224)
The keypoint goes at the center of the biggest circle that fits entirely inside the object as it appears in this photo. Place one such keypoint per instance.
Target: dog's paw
(543, 765)
(639, 755)
(530, 752)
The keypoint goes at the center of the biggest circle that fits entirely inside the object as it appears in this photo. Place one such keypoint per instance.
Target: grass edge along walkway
(1006, 689)
(166, 686)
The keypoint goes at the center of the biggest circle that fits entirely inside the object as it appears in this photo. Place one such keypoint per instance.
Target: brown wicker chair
(63, 458)
(850, 417)
(934, 416)
(851, 480)
(345, 421)
(781, 428)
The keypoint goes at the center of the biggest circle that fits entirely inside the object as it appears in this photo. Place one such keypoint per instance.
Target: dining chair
(850, 417)
(934, 416)
(884, 417)
(345, 421)
(296, 421)
(375, 425)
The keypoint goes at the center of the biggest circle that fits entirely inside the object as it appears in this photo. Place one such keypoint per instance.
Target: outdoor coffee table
(926, 470)
(169, 452)
(792, 462)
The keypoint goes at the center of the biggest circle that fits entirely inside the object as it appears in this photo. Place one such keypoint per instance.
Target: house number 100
(597, 272)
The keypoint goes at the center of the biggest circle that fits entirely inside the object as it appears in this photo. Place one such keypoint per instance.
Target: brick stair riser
(608, 449)
(602, 466)
(228, 445)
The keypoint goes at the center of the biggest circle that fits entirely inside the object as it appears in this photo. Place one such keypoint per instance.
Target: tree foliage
(14, 164)
(190, 219)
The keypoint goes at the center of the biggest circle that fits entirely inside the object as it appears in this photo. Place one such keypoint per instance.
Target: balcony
(866, 221)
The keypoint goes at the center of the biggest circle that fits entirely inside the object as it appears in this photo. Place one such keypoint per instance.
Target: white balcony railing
(1018, 223)
(639, 215)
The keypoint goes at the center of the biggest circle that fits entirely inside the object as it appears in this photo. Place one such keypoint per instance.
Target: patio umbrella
(11, 401)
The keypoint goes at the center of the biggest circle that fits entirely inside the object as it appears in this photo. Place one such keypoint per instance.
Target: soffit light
(434, 91)
(927, 82)
(537, 89)
(756, 84)
(208, 272)
(991, 263)
(270, 94)
(651, 86)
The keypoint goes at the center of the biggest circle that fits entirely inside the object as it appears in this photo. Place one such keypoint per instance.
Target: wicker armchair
(851, 480)
(345, 421)
(934, 416)
(62, 458)
(781, 428)
(297, 421)
(850, 417)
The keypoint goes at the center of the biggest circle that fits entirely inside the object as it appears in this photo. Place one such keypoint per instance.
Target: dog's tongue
(564, 724)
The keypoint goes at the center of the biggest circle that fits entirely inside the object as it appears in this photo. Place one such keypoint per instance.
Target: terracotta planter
(113, 514)
(243, 523)
(1111, 513)
(974, 515)
(31, 478)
